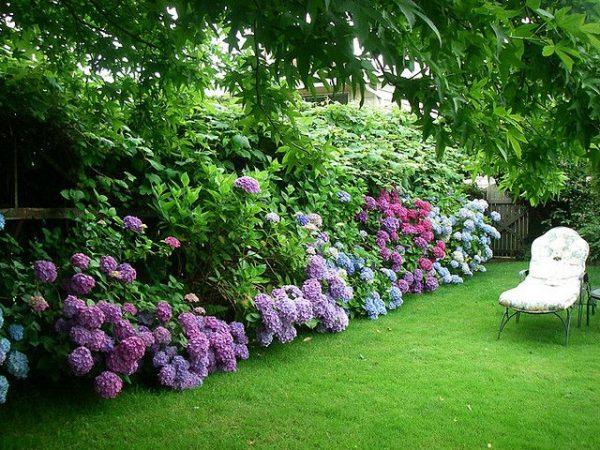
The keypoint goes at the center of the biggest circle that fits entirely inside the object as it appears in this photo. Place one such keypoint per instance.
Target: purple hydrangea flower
(162, 335)
(134, 224)
(45, 271)
(112, 311)
(130, 308)
(90, 317)
(420, 242)
(108, 384)
(131, 349)
(80, 261)
(82, 283)
(81, 361)
(108, 264)
(317, 267)
(163, 311)
(247, 184)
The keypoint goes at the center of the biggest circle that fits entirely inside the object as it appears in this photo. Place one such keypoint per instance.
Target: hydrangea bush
(13, 362)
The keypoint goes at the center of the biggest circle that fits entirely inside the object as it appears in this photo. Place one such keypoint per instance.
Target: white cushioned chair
(554, 281)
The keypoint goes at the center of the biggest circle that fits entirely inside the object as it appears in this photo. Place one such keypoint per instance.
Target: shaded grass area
(429, 375)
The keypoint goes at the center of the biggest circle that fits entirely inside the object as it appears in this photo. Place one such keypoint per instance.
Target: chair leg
(567, 327)
(505, 318)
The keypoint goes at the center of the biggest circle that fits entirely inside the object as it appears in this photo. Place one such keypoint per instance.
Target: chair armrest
(523, 273)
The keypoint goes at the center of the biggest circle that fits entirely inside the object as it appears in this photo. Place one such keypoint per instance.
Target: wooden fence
(514, 228)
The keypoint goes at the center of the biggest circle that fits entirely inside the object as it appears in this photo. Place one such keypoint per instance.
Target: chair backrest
(557, 255)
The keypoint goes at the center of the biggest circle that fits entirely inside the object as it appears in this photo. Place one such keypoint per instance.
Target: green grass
(430, 375)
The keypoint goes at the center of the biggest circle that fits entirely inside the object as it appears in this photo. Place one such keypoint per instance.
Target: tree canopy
(517, 83)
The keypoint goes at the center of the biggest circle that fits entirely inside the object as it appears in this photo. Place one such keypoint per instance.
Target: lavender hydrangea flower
(272, 217)
(81, 361)
(80, 260)
(317, 267)
(311, 289)
(247, 184)
(82, 283)
(45, 271)
(134, 224)
(108, 264)
(108, 384)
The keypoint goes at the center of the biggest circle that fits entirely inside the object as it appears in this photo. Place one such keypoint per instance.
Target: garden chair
(554, 281)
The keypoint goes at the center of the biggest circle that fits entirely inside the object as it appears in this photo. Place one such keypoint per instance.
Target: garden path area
(429, 375)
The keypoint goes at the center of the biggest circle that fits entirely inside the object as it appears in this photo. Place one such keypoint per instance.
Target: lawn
(429, 375)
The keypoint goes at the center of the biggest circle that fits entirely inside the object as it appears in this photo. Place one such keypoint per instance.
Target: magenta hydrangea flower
(164, 311)
(82, 283)
(425, 264)
(172, 242)
(108, 264)
(130, 308)
(108, 384)
(134, 224)
(45, 271)
(247, 184)
(80, 261)
(81, 361)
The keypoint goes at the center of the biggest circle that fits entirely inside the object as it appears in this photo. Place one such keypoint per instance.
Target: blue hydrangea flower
(4, 385)
(456, 279)
(390, 274)
(343, 261)
(17, 364)
(495, 215)
(343, 197)
(367, 275)
(374, 306)
(1, 317)
(16, 331)
(2, 222)
(302, 219)
(4, 345)
(396, 296)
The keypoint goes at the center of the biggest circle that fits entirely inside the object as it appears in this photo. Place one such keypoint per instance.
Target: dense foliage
(515, 82)
(578, 207)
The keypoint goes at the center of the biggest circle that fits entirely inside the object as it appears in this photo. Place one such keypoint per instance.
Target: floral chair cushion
(555, 273)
